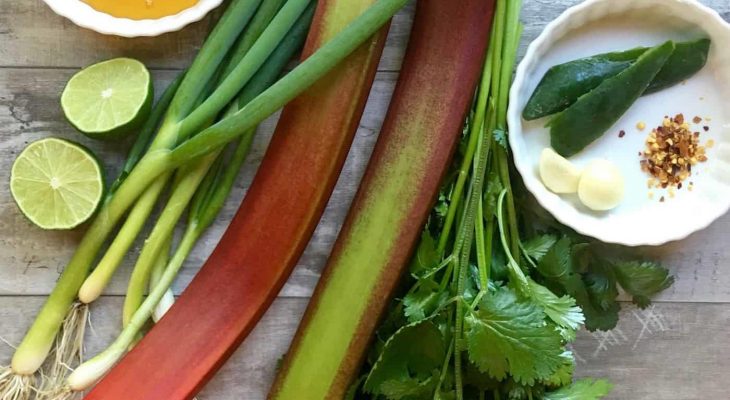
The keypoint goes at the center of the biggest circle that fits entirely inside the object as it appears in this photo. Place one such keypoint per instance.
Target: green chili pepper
(688, 59)
(594, 113)
(563, 84)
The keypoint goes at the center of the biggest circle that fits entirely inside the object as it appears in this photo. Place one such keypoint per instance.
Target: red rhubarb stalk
(268, 234)
(437, 82)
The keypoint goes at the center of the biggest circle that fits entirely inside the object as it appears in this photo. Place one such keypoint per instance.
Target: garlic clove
(557, 173)
(601, 186)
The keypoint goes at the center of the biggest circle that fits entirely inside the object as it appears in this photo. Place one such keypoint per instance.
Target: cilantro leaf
(561, 310)
(557, 267)
(410, 360)
(586, 389)
(564, 375)
(479, 380)
(601, 289)
(538, 246)
(518, 391)
(407, 389)
(424, 301)
(603, 310)
(642, 280)
(556, 264)
(507, 336)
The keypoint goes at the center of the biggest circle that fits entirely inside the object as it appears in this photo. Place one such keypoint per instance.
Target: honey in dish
(141, 9)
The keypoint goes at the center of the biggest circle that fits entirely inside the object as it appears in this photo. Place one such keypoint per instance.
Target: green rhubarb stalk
(412, 153)
(38, 342)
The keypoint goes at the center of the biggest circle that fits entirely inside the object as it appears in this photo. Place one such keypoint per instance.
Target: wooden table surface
(677, 349)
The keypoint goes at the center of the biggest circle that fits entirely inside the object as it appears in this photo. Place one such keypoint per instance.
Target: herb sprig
(497, 292)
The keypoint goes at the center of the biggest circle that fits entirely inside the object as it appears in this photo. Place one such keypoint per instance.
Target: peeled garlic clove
(601, 186)
(558, 174)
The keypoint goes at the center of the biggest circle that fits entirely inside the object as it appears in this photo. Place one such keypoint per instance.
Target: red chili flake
(622, 134)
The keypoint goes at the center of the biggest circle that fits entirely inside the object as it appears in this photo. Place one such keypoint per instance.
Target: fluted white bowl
(598, 26)
(85, 16)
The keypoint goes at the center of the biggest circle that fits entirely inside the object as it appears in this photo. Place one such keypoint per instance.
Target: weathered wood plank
(30, 259)
(673, 351)
(31, 35)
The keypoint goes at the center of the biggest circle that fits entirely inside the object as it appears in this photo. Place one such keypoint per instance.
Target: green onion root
(14, 386)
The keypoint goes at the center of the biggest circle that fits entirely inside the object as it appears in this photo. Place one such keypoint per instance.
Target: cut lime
(109, 100)
(57, 184)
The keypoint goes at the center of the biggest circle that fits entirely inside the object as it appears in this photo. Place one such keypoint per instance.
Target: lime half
(57, 184)
(109, 100)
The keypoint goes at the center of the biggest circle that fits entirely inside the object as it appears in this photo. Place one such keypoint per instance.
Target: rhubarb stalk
(426, 115)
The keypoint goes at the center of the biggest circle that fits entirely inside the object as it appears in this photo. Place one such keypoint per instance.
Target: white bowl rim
(514, 118)
(85, 16)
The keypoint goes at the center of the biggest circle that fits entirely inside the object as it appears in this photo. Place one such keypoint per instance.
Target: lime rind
(57, 184)
(110, 99)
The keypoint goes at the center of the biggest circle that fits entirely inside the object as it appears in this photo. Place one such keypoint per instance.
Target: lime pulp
(57, 184)
(109, 100)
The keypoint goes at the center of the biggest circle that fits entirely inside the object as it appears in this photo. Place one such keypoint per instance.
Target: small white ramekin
(85, 16)
(641, 219)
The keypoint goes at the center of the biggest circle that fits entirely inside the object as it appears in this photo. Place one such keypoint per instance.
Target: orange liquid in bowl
(141, 9)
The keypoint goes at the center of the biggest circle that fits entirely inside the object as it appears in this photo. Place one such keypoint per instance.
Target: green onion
(239, 75)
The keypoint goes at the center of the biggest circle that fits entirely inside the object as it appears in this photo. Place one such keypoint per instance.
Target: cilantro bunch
(497, 290)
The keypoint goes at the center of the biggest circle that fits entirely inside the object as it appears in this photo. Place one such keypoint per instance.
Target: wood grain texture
(673, 351)
(31, 35)
(678, 351)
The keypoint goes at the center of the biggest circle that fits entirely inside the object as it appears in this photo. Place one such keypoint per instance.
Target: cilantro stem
(467, 230)
(517, 273)
(444, 370)
(509, 56)
(481, 246)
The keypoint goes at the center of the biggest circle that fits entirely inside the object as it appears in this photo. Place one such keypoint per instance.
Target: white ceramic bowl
(85, 16)
(598, 26)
